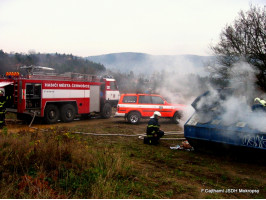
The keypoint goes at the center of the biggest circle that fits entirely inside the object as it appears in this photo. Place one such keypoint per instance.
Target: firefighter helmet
(156, 113)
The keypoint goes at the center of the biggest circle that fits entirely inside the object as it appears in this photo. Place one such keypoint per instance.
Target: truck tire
(67, 113)
(51, 114)
(133, 117)
(106, 111)
(176, 118)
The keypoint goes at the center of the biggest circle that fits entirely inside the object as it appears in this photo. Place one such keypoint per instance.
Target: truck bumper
(120, 114)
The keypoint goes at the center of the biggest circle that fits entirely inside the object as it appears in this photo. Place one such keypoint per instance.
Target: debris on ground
(176, 147)
(184, 146)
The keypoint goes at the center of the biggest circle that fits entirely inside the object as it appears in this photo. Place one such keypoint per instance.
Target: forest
(60, 62)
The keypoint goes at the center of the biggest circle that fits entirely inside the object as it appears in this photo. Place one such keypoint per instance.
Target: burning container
(206, 128)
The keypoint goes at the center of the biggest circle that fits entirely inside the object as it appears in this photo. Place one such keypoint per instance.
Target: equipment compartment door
(33, 95)
(94, 98)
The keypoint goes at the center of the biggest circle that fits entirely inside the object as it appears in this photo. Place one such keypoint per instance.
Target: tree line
(60, 62)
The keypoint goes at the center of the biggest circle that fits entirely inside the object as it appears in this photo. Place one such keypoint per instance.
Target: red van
(136, 106)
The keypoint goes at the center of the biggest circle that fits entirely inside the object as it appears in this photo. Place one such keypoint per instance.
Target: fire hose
(34, 114)
(140, 136)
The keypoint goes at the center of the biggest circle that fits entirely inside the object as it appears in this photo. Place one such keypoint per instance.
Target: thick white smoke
(236, 107)
(181, 86)
(237, 110)
(181, 83)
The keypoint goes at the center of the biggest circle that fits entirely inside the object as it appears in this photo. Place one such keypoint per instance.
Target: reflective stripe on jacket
(153, 127)
(261, 101)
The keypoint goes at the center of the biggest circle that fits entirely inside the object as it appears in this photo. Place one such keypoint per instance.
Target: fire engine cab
(58, 97)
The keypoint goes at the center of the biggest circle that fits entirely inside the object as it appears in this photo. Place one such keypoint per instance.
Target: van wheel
(68, 113)
(133, 117)
(107, 111)
(176, 118)
(51, 114)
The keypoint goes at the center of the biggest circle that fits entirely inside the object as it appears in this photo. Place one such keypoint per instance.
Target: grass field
(59, 163)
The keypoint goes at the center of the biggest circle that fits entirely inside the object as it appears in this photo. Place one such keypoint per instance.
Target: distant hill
(146, 63)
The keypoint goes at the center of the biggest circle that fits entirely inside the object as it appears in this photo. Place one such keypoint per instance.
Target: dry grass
(56, 164)
(60, 164)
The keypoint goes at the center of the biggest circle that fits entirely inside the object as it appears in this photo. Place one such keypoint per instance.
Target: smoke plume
(236, 104)
(238, 107)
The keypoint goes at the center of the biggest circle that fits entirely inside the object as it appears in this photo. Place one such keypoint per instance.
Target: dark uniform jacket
(2, 111)
(153, 128)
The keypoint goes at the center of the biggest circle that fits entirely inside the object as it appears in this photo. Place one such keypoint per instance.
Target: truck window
(157, 100)
(130, 99)
(113, 85)
(145, 99)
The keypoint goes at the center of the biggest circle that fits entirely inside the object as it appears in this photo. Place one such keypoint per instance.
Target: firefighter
(261, 101)
(2, 108)
(261, 106)
(153, 129)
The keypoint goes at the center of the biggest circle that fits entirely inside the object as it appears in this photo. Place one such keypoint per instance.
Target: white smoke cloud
(186, 114)
(237, 106)
(235, 109)
(178, 80)
(257, 120)
(180, 83)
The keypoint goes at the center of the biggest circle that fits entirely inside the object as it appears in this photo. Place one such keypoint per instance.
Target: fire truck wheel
(107, 111)
(67, 113)
(176, 118)
(51, 114)
(133, 117)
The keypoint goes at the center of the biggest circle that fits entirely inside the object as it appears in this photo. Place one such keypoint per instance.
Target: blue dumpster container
(205, 129)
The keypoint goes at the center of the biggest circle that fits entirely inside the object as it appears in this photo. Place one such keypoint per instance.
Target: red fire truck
(59, 97)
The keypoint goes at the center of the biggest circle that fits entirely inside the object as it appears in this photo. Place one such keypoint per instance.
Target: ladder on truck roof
(69, 76)
(40, 73)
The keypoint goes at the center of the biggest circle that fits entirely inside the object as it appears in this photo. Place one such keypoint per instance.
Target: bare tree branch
(244, 39)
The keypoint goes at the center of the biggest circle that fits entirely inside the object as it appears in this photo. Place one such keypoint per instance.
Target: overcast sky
(93, 27)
